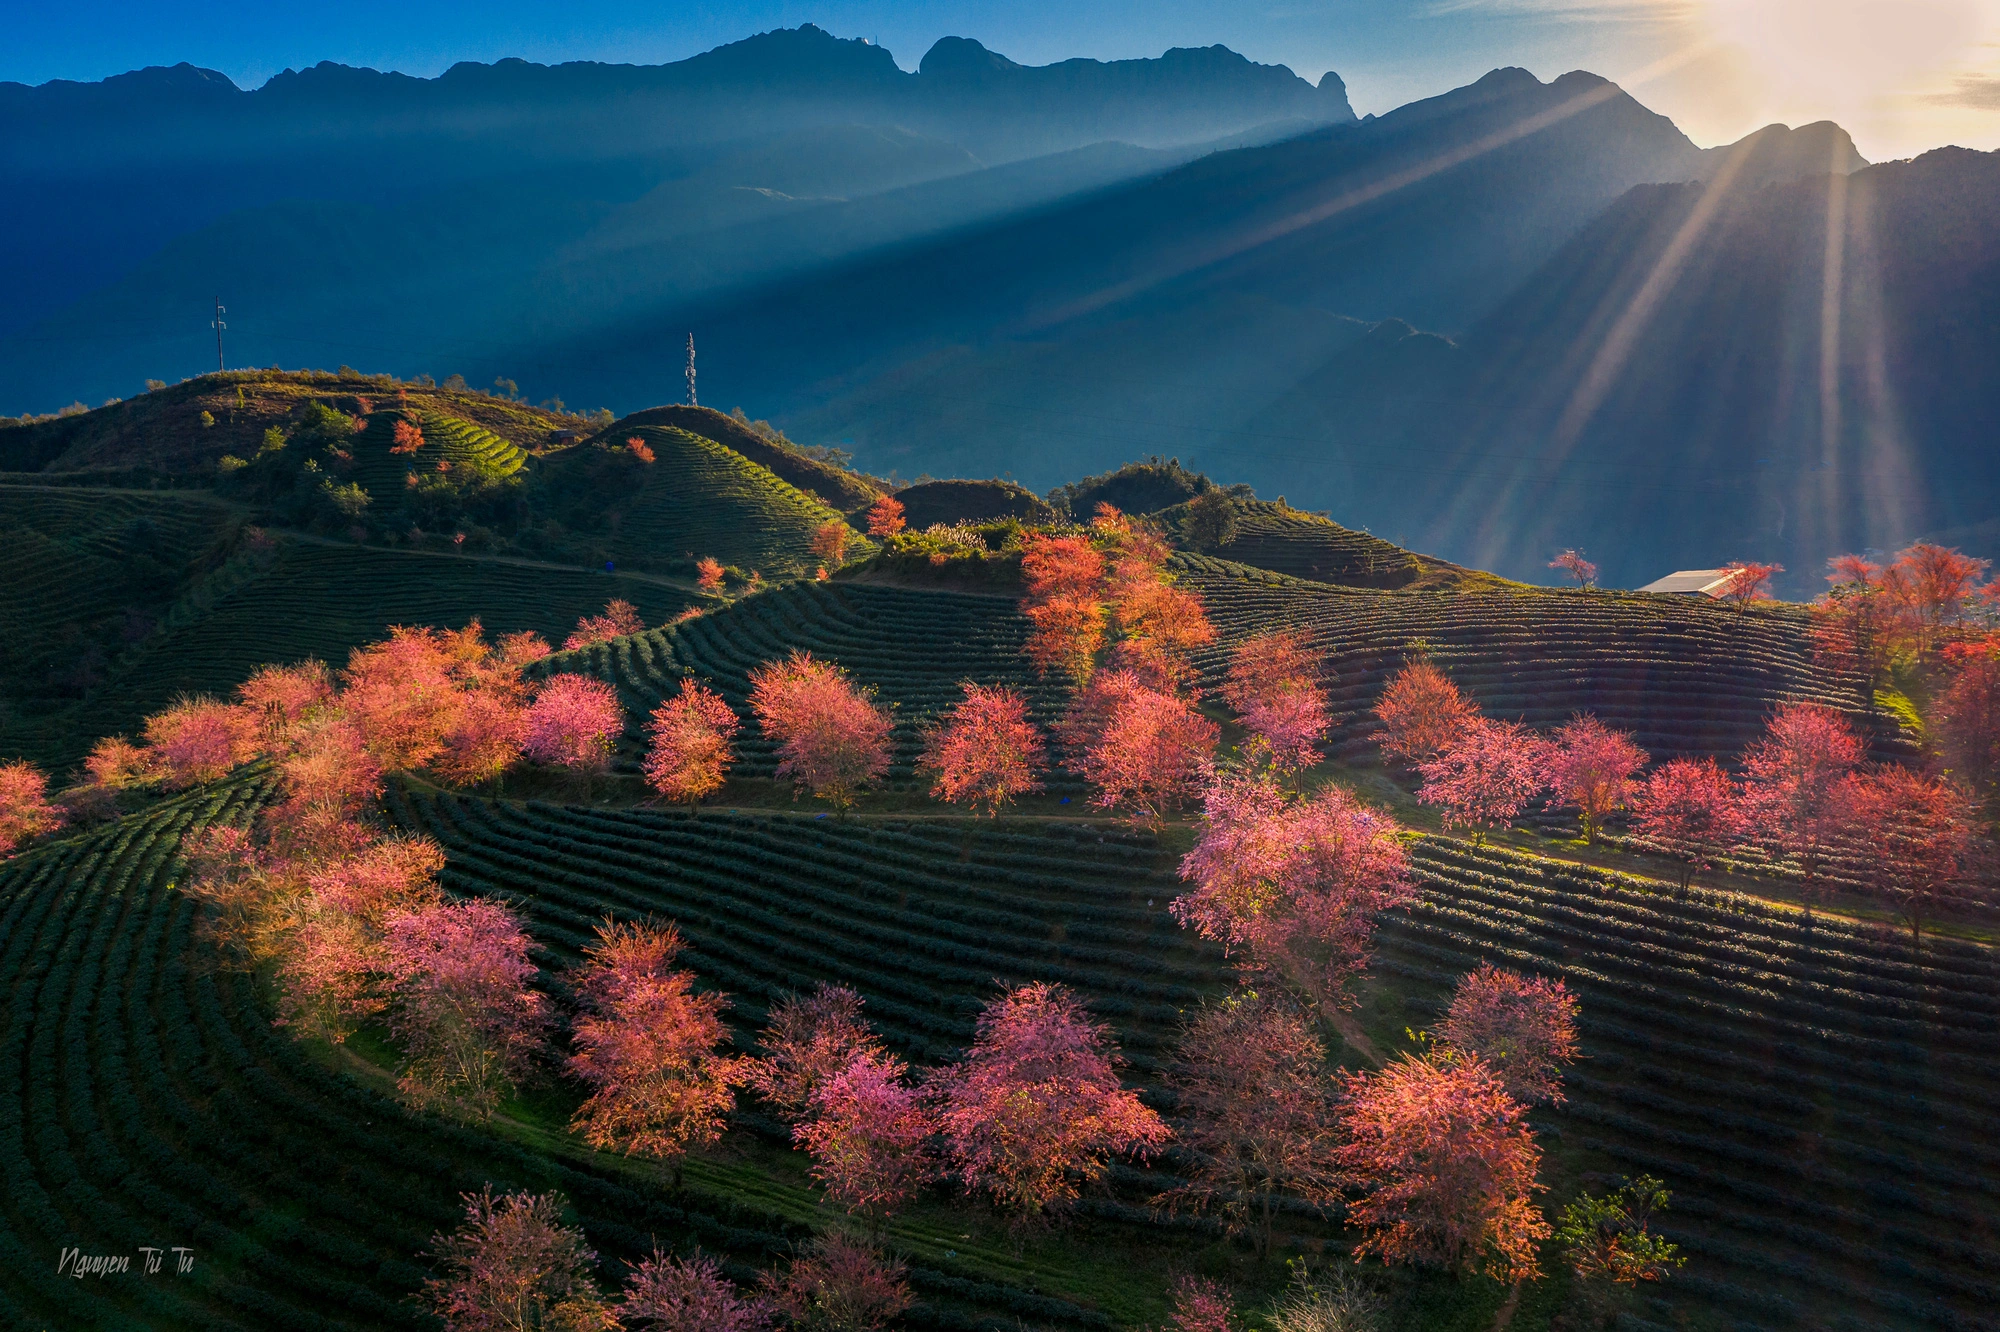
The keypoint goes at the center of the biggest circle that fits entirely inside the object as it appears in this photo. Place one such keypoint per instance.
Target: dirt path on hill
(661, 580)
(1505, 1314)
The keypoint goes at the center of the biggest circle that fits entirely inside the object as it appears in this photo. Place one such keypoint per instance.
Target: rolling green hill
(835, 487)
(163, 431)
(1285, 540)
(697, 498)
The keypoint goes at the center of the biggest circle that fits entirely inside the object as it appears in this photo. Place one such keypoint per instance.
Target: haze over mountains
(1513, 317)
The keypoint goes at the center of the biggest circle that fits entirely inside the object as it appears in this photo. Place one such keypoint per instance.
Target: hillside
(1277, 537)
(1764, 1070)
(697, 498)
(1687, 676)
(299, 599)
(163, 431)
(1815, 1089)
(832, 486)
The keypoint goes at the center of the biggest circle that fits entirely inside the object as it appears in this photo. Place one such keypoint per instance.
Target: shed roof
(1707, 582)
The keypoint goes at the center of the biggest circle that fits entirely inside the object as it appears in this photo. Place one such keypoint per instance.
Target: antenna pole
(219, 326)
(690, 372)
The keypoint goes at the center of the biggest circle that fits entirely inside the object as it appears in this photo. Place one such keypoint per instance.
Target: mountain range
(1518, 316)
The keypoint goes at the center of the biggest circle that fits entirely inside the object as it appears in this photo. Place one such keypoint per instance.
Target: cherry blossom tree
(333, 956)
(1485, 777)
(1422, 713)
(668, 1294)
(408, 436)
(866, 1132)
(1295, 885)
(1691, 810)
(649, 1048)
(1967, 716)
(1202, 1305)
(1746, 581)
(574, 723)
(484, 736)
(1929, 585)
(1273, 686)
(1522, 1028)
(829, 542)
(465, 1015)
(1144, 749)
(708, 574)
(1590, 768)
(279, 697)
(200, 740)
(1063, 577)
(690, 750)
(1795, 787)
(25, 809)
(1854, 625)
(985, 751)
(639, 449)
(1257, 1114)
(1035, 1107)
(1444, 1164)
(404, 694)
(832, 739)
(1915, 836)
(619, 619)
(808, 1042)
(885, 517)
(116, 762)
(513, 1265)
(1575, 567)
(840, 1285)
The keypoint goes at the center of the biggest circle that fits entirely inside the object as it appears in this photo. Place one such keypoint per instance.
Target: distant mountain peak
(959, 57)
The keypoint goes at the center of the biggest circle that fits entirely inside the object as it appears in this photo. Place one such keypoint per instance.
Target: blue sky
(1903, 75)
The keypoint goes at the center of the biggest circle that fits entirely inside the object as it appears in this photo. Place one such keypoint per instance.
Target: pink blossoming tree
(1294, 885)
(1036, 1108)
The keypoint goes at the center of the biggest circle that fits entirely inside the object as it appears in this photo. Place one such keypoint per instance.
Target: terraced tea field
(696, 498)
(1685, 678)
(384, 474)
(1305, 545)
(148, 1100)
(1822, 1105)
(321, 600)
(915, 646)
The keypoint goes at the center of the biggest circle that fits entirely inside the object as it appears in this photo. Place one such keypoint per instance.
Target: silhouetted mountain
(1168, 315)
(124, 165)
(1707, 372)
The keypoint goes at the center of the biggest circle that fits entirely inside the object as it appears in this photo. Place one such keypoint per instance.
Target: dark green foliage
(1140, 487)
(947, 502)
(1210, 520)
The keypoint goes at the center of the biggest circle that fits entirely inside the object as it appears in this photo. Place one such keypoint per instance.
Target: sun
(1843, 54)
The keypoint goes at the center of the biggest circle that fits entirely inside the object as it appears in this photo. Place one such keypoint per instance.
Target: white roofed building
(1692, 582)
